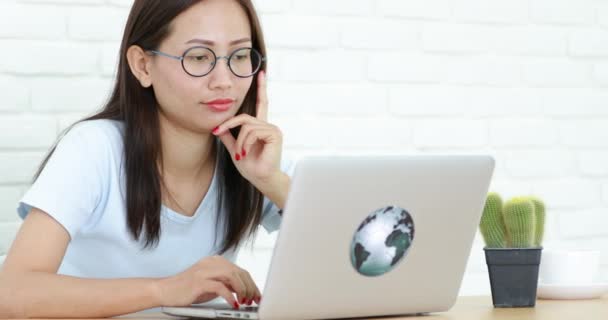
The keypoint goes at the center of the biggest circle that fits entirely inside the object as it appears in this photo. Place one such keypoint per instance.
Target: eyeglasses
(200, 61)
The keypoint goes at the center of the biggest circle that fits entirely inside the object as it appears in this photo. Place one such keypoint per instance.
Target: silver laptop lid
(314, 271)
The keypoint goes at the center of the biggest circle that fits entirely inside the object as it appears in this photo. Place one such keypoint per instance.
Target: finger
(265, 135)
(228, 140)
(245, 293)
(236, 277)
(243, 134)
(220, 289)
(251, 139)
(233, 280)
(262, 105)
(256, 292)
(250, 286)
(233, 122)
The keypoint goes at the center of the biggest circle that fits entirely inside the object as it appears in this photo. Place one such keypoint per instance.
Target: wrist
(277, 188)
(156, 292)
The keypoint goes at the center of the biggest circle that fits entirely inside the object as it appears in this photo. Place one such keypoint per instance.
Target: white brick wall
(563, 12)
(523, 80)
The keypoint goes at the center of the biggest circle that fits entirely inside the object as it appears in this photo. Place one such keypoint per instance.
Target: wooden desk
(481, 308)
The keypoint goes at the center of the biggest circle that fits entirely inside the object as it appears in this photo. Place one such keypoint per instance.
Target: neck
(185, 154)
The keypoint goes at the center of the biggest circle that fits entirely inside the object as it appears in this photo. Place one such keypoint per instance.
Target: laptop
(369, 236)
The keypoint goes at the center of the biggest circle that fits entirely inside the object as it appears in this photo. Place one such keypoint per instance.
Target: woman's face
(182, 97)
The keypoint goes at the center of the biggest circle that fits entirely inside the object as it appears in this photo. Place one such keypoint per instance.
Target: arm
(32, 294)
(30, 287)
(277, 189)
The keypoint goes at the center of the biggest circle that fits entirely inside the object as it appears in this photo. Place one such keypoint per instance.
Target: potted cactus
(513, 233)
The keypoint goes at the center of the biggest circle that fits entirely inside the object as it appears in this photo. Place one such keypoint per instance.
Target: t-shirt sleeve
(271, 218)
(71, 185)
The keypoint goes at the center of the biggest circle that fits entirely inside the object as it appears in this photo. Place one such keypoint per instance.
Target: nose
(221, 76)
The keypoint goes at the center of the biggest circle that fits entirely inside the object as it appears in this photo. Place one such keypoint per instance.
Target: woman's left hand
(256, 152)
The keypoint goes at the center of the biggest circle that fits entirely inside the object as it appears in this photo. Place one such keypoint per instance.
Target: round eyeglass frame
(216, 58)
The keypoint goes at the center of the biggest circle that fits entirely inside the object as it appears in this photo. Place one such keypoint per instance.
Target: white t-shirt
(82, 187)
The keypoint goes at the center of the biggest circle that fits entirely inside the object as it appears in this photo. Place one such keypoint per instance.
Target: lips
(220, 104)
(220, 101)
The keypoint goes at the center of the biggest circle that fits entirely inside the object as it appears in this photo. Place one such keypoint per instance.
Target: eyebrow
(211, 43)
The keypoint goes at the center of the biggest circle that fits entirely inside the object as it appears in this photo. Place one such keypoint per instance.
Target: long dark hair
(147, 26)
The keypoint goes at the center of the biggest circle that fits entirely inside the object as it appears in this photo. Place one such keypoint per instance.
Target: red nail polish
(216, 130)
(236, 305)
(244, 153)
(238, 157)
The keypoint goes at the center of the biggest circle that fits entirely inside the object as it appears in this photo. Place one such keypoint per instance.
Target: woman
(145, 203)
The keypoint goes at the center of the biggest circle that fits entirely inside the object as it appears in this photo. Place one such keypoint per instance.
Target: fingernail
(238, 157)
(244, 153)
(249, 302)
(243, 301)
(236, 305)
(216, 130)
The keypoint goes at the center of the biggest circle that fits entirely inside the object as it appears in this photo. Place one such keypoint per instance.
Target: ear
(139, 63)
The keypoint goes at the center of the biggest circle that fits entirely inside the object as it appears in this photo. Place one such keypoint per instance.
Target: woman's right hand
(206, 280)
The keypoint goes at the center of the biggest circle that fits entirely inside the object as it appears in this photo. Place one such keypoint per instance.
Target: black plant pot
(513, 275)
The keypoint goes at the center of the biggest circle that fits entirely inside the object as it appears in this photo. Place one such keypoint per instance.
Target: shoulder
(95, 137)
(101, 130)
(95, 141)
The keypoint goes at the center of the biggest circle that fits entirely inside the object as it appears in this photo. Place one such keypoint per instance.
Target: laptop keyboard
(252, 308)
(244, 312)
(241, 308)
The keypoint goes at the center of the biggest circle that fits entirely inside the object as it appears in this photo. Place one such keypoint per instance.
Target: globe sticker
(381, 241)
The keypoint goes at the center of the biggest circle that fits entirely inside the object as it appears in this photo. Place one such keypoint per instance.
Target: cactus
(520, 221)
(492, 225)
(539, 212)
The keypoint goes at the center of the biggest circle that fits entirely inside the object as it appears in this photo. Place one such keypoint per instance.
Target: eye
(201, 58)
